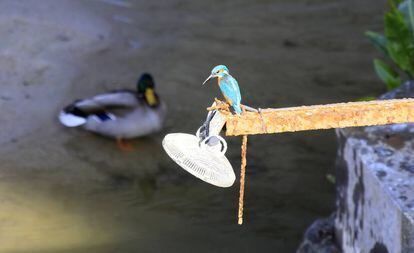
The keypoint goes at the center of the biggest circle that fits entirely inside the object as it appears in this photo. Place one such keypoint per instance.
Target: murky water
(64, 190)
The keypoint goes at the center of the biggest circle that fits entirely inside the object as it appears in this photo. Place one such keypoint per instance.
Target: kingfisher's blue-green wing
(231, 91)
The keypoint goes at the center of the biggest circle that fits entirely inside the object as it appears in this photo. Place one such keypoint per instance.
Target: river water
(65, 190)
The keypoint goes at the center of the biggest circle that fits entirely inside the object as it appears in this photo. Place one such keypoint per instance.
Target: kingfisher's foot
(124, 145)
(218, 101)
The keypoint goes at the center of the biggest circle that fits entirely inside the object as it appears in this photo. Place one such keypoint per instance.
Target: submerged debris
(320, 237)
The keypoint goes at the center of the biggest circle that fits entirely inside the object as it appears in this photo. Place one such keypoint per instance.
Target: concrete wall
(375, 186)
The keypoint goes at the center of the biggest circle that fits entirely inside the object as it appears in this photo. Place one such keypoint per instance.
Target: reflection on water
(64, 190)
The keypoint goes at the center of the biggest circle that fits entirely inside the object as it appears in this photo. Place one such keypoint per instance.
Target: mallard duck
(120, 114)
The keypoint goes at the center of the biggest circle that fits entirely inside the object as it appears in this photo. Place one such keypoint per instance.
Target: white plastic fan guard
(208, 165)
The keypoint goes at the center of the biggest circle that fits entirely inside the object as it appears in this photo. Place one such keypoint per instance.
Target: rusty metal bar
(353, 114)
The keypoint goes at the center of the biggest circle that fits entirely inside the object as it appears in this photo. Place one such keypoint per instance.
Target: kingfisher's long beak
(208, 78)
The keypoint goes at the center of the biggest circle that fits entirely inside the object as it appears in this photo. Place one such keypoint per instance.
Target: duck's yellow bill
(150, 97)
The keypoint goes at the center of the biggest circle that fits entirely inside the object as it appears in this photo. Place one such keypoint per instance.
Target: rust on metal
(341, 115)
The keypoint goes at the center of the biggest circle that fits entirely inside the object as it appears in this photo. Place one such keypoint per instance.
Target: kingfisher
(228, 86)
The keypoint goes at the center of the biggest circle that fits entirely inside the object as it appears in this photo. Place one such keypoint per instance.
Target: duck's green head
(145, 87)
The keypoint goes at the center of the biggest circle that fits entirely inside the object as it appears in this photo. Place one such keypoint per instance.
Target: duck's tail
(72, 116)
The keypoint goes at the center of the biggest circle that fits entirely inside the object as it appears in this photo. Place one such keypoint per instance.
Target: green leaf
(387, 74)
(331, 178)
(400, 46)
(395, 2)
(379, 41)
(407, 10)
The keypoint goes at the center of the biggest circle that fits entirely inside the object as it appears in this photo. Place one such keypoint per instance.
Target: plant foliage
(396, 44)
(387, 74)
